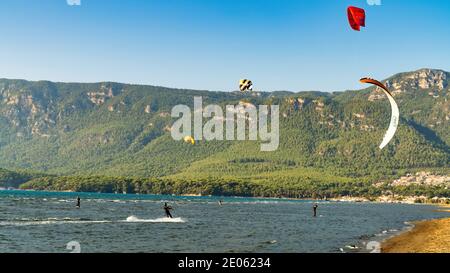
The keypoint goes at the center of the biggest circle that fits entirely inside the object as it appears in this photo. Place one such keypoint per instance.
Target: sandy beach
(426, 237)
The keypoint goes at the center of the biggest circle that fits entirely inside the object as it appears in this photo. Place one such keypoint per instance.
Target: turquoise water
(48, 221)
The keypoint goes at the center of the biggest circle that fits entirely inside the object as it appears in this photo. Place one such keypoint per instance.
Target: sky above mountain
(211, 44)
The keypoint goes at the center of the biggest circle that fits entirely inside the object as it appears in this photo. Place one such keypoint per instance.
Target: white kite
(395, 116)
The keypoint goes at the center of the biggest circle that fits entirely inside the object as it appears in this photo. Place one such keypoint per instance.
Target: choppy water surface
(47, 222)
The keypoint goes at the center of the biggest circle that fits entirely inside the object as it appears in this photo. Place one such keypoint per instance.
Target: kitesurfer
(167, 210)
(315, 209)
(78, 202)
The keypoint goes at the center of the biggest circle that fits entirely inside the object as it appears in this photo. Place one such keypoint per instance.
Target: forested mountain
(112, 129)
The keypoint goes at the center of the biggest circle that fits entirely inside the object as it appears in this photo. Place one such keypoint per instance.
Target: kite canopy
(356, 17)
(395, 116)
(245, 85)
(189, 139)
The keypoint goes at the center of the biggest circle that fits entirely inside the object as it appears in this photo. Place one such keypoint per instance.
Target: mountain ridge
(209, 90)
(114, 129)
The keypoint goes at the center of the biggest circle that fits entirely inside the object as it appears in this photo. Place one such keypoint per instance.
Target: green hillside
(120, 130)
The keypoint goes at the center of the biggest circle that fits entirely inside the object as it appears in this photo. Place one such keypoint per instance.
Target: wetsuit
(167, 210)
(78, 202)
(315, 210)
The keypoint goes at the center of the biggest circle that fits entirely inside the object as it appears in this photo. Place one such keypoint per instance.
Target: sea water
(32, 221)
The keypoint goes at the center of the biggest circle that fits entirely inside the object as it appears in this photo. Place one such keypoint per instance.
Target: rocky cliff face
(421, 79)
(99, 97)
(28, 110)
(36, 109)
(427, 95)
(433, 82)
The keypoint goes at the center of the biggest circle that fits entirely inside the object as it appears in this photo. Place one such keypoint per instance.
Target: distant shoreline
(411, 200)
(408, 200)
(429, 236)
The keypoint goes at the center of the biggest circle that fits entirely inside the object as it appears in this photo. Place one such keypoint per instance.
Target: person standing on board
(315, 209)
(167, 210)
(78, 202)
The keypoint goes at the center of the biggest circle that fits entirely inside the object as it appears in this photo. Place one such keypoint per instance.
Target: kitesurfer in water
(167, 210)
(78, 202)
(315, 209)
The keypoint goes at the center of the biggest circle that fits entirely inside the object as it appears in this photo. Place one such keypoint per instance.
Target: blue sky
(211, 44)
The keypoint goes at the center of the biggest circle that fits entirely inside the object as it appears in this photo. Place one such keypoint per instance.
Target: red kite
(356, 17)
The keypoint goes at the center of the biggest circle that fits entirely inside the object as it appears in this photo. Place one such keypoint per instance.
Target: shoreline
(427, 236)
(443, 203)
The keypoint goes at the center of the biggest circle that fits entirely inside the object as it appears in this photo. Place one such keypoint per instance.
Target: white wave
(249, 203)
(118, 201)
(352, 247)
(134, 219)
(51, 221)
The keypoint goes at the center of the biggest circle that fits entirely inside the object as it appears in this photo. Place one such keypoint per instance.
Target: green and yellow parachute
(189, 139)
